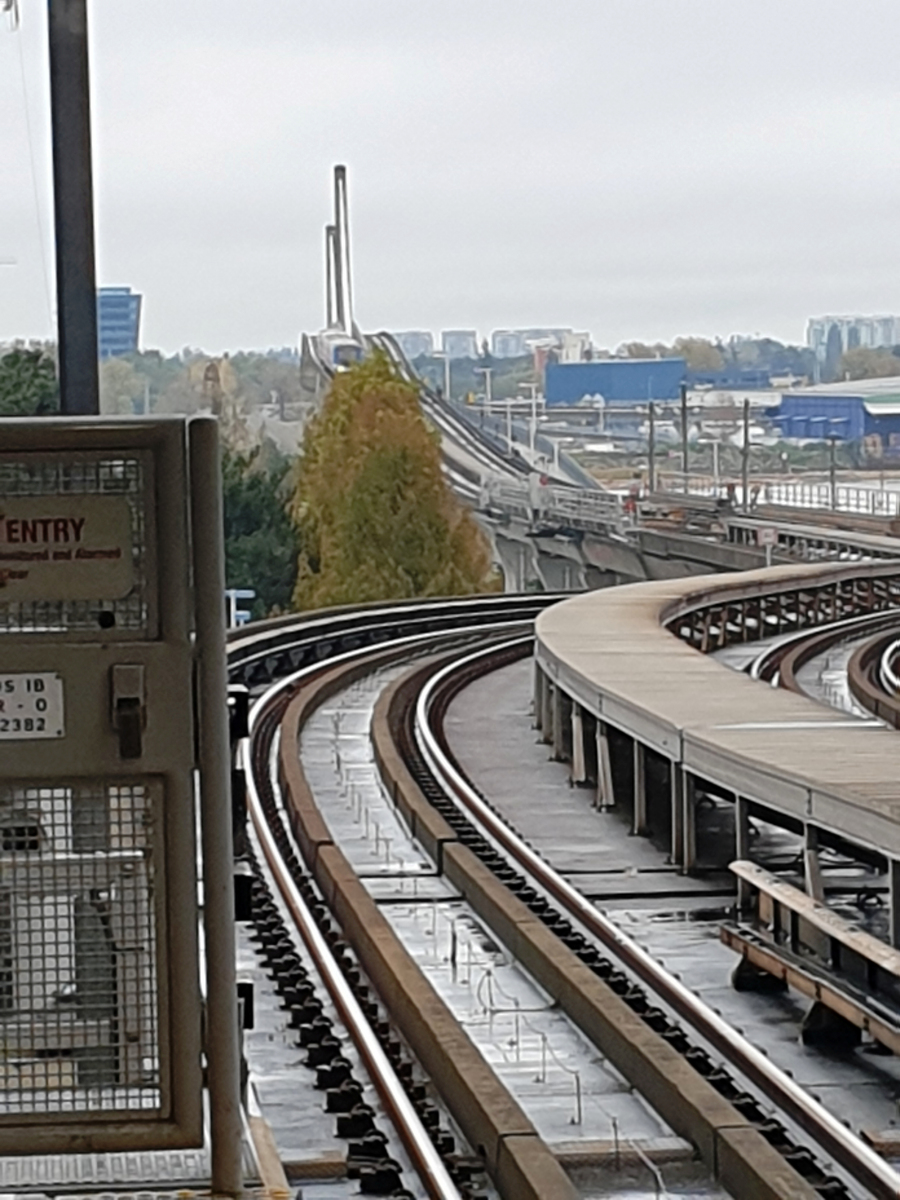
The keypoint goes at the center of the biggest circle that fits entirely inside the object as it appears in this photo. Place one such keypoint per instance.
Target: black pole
(684, 434)
(76, 289)
(745, 460)
(651, 451)
(832, 471)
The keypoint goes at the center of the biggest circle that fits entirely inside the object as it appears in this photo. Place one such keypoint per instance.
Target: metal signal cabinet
(100, 1005)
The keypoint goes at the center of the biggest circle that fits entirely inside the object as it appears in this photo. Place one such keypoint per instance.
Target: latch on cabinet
(129, 708)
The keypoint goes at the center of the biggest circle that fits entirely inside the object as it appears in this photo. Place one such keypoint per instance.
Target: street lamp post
(532, 430)
(486, 372)
(446, 357)
(832, 471)
(745, 459)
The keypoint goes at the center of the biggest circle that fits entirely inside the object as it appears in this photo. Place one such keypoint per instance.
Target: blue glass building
(118, 321)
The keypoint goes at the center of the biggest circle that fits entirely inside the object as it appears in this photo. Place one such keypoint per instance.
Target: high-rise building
(513, 343)
(118, 321)
(459, 343)
(848, 332)
(415, 342)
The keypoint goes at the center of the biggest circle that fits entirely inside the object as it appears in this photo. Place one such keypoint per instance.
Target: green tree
(699, 353)
(377, 520)
(865, 363)
(28, 384)
(261, 542)
(643, 350)
(120, 387)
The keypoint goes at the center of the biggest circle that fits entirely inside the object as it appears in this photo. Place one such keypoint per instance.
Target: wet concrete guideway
(577, 1100)
(490, 729)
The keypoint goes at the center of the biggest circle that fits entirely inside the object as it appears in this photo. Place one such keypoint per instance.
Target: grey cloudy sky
(638, 168)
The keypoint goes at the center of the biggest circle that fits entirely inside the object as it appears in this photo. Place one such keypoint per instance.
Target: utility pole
(651, 450)
(832, 471)
(532, 428)
(446, 357)
(684, 435)
(486, 372)
(73, 204)
(745, 459)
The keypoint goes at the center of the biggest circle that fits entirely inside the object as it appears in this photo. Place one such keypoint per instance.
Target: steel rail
(281, 635)
(766, 666)
(425, 1158)
(887, 677)
(862, 1162)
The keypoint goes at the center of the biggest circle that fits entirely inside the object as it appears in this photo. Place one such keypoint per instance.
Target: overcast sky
(637, 168)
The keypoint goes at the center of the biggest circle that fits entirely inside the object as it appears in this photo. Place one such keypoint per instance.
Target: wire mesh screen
(78, 994)
(58, 475)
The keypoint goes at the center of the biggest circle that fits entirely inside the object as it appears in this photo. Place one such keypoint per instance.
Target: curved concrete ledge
(607, 661)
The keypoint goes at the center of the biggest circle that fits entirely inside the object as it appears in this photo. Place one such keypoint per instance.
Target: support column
(579, 770)
(812, 870)
(546, 721)
(639, 823)
(605, 794)
(894, 884)
(676, 798)
(537, 702)
(557, 734)
(688, 822)
(742, 845)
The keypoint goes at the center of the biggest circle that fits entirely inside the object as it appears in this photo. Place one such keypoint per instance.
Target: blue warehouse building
(625, 381)
(849, 411)
(118, 321)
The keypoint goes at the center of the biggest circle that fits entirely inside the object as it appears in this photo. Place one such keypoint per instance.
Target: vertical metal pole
(222, 1047)
(73, 204)
(685, 466)
(832, 472)
(745, 460)
(651, 450)
(446, 376)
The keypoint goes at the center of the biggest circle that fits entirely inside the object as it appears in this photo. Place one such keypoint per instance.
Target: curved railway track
(722, 1095)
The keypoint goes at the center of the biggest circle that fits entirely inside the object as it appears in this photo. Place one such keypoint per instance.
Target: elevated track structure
(628, 692)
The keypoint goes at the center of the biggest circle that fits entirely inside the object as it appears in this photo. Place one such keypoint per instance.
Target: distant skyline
(640, 171)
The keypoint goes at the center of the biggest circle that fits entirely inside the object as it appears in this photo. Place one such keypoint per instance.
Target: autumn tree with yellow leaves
(375, 517)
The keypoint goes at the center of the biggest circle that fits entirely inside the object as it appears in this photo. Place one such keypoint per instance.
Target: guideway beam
(797, 941)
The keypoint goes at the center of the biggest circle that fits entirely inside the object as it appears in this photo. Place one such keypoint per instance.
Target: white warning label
(31, 706)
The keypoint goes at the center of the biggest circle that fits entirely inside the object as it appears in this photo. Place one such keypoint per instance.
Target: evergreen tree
(28, 383)
(261, 543)
(377, 520)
